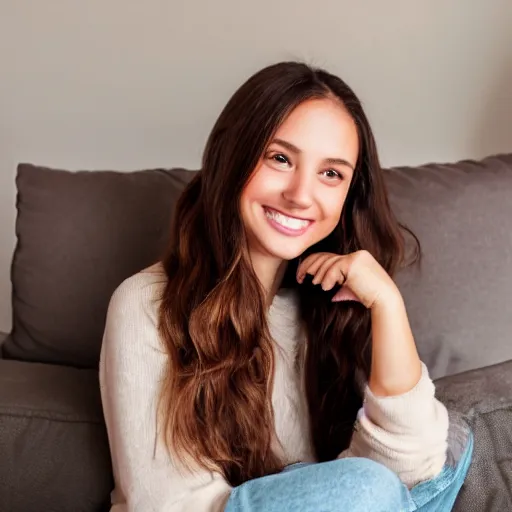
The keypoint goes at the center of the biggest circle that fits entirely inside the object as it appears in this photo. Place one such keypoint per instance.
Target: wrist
(389, 301)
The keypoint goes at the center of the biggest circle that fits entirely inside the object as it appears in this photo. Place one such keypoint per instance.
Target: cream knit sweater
(407, 433)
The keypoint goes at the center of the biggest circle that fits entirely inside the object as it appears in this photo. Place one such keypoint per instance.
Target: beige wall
(130, 84)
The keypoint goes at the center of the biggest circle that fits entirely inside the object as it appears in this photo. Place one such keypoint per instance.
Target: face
(295, 195)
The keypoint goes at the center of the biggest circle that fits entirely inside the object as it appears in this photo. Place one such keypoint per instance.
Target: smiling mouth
(289, 224)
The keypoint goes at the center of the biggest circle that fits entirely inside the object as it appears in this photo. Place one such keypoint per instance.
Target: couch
(80, 234)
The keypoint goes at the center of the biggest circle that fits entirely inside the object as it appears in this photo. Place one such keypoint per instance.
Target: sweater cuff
(405, 412)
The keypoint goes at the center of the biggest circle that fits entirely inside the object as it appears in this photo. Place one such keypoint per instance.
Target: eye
(280, 158)
(333, 174)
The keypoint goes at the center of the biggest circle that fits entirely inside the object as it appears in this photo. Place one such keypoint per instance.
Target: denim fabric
(350, 485)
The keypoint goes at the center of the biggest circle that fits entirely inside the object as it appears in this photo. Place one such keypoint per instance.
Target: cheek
(254, 192)
(262, 186)
(333, 206)
(250, 192)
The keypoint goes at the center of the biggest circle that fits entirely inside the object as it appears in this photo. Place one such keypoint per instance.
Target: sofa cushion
(79, 235)
(484, 398)
(53, 441)
(459, 301)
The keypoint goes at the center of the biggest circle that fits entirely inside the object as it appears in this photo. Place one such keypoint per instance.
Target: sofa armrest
(53, 441)
(484, 399)
(483, 389)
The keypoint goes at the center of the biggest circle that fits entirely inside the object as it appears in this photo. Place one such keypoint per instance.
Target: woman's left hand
(396, 367)
(361, 277)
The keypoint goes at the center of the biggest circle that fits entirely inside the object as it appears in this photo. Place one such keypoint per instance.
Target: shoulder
(132, 357)
(140, 293)
(132, 316)
(147, 282)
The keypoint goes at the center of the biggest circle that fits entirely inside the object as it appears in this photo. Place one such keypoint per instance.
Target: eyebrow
(294, 149)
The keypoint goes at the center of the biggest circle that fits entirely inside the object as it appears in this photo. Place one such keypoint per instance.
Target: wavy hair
(216, 396)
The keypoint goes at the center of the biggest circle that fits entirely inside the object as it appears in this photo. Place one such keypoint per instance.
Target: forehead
(322, 127)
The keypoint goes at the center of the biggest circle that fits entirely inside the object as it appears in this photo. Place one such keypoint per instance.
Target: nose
(299, 190)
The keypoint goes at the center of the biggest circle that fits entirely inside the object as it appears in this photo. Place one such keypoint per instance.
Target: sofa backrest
(459, 302)
(79, 235)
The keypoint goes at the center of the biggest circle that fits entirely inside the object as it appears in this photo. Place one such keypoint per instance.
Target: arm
(401, 425)
(132, 365)
(396, 366)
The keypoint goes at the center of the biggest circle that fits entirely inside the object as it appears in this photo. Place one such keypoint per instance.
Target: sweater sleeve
(407, 433)
(132, 366)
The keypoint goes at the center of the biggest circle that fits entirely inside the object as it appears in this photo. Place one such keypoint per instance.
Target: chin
(285, 250)
(287, 255)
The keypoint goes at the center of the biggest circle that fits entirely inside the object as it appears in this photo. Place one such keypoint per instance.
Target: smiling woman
(300, 183)
(267, 362)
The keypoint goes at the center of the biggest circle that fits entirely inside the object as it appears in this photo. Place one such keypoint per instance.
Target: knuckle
(362, 255)
(332, 272)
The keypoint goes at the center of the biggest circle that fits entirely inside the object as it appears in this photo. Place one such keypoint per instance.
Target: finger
(307, 264)
(317, 264)
(336, 274)
(323, 269)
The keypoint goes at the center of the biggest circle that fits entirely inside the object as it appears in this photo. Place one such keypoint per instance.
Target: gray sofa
(80, 234)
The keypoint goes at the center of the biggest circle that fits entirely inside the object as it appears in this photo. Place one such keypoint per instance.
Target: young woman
(267, 363)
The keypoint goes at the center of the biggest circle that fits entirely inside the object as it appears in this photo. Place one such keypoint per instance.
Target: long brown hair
(216, 397)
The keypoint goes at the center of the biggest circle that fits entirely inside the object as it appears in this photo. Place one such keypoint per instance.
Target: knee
(375, 487)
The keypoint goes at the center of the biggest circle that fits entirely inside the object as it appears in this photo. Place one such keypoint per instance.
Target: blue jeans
(351, 485)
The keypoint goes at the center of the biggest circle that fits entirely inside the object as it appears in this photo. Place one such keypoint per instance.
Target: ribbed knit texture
(407, 433)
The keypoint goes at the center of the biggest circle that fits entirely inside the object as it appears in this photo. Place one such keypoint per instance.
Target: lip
(286, 230)
(286, 214)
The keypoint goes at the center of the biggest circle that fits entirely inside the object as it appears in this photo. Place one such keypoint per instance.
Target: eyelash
(273, 157)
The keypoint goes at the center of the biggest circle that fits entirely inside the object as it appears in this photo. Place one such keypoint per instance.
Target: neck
(270, 272)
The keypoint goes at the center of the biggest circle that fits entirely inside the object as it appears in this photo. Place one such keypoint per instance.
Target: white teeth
(288, 222)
